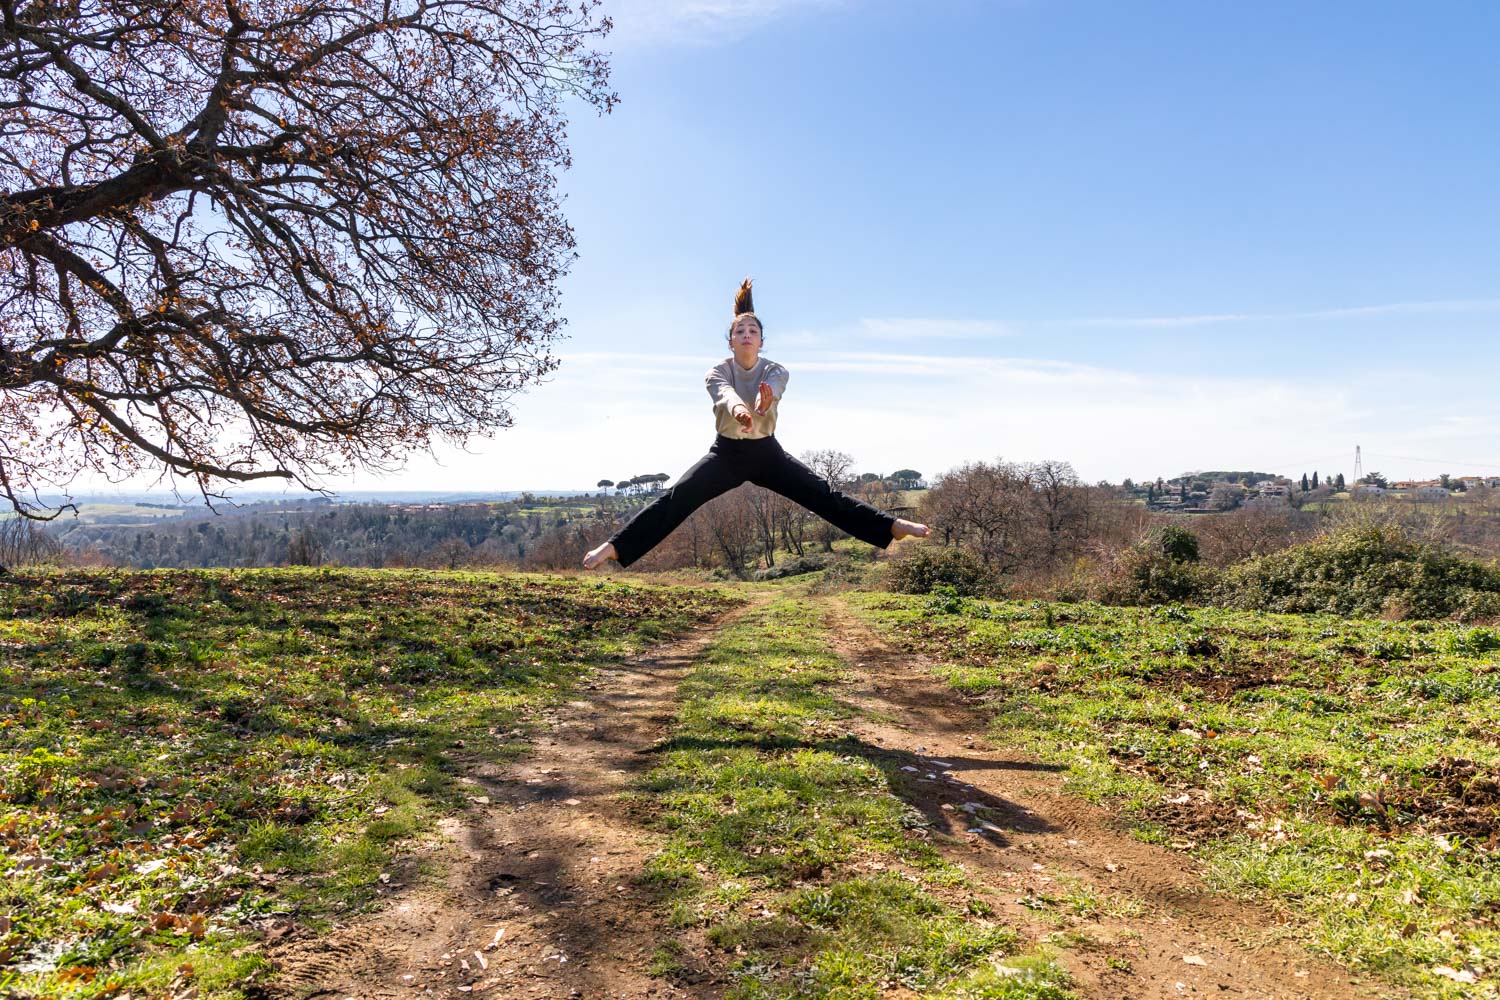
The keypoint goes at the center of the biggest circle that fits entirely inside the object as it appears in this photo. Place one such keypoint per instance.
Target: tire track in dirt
(1042, 842)
(538, 897)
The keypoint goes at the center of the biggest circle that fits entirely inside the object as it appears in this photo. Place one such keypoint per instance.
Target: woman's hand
(766, 399)
(742, 414)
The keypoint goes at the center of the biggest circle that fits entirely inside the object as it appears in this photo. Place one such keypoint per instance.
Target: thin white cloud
(913, 330)
(696, 22)
(916, 328)
(1165, 322)
(1440, 306)
(658, 362)
(967, 367)
(1349, 312)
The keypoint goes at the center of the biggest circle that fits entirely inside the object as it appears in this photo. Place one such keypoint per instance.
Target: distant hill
(194, 501)
(1219, 475)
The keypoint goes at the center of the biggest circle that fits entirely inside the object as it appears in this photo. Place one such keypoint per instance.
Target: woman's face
(745, 335)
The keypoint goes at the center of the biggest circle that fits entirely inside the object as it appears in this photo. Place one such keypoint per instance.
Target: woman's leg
(712, 475)
(799, 484)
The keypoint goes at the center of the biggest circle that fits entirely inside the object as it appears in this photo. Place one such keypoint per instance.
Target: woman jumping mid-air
(745, 389)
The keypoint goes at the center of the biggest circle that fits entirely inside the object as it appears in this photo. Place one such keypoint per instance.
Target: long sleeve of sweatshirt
(730, 385)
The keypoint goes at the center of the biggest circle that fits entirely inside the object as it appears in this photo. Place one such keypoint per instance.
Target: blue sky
(1141, 237)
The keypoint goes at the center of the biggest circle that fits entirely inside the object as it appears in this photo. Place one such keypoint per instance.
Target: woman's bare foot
(904, 529)
(599, 555)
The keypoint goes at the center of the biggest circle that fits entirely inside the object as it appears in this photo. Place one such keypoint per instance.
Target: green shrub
(1173, 541)
(1479, 606)
(1366, 570)
(1146, 575)
(931, 566)
(1161, 568)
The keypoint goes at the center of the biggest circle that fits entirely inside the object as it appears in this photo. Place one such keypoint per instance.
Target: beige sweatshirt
(729, 384)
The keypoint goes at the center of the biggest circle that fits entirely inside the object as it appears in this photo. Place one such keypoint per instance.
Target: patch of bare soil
(1133, 920)
(538, 897)
(1454, 795)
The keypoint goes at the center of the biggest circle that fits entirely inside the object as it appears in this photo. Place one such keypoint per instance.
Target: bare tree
(23, 542)
(452, 552)
(257, 239)
(836, 467)
(791, 523)
(305, 548)
(1253, 531)
(761, 504)
(1060, 501)
(986, 507)
(689, 545)
(876, 491)
(731, 525)
(563, 544)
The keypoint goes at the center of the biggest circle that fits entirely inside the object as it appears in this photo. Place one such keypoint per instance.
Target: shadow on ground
(927, 784)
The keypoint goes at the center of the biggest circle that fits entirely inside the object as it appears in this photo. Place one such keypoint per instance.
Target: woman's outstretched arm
(772, 386)
(721, 388)
(722, 391)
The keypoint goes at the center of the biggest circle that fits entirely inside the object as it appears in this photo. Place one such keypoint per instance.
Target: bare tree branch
(276, 239)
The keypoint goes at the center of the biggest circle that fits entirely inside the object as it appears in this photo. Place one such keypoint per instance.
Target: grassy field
(1341, 770)
(190, 757)
(194, 760)
(118, 514)
(569, 510)
(790, 850)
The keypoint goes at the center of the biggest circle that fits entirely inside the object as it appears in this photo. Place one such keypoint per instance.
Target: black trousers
(732, 461)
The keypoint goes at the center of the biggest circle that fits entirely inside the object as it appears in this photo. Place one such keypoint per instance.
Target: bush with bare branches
(23, 542)
(1254, 531)
(1026, 519)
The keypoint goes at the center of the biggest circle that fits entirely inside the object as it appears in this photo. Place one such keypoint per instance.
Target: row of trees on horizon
(1021, 520)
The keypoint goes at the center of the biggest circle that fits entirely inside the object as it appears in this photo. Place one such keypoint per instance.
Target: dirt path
(1154, 912)
(538, 899)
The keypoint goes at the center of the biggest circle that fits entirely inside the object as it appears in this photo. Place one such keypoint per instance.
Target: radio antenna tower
(1359, 465)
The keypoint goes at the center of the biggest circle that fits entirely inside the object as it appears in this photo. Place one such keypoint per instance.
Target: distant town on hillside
(1220, 491)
